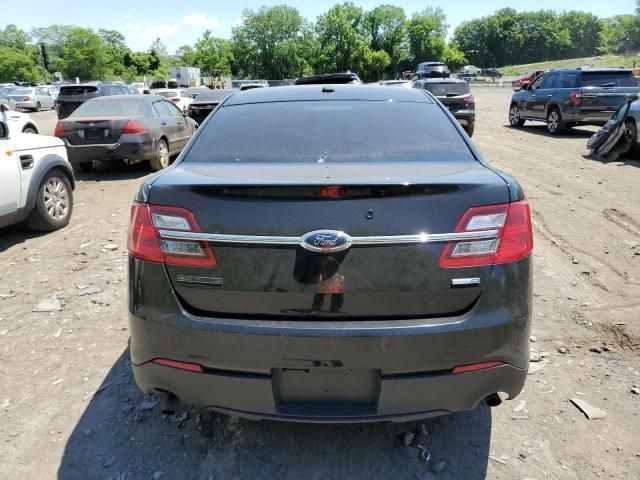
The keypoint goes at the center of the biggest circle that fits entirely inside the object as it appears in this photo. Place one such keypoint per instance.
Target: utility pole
(44, 60)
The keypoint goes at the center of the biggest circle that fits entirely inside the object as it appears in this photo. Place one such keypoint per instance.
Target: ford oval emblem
(326, 241)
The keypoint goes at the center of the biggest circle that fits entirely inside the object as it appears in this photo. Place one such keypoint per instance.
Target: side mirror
(4, 130)
(4, 107)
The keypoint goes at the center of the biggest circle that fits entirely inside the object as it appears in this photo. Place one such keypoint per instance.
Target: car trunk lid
(363, 200)
(93, 131)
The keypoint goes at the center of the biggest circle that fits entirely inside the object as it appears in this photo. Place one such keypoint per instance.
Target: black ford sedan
(133, 128)
(315, 254)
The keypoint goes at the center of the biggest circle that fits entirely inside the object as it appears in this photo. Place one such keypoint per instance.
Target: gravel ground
(69, 408)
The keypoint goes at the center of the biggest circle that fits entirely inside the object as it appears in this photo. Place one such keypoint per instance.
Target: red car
(526, 80)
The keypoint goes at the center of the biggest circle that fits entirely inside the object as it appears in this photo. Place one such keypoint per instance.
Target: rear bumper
(465, 117)
(588, 117)
(405, 367)
(135, 147)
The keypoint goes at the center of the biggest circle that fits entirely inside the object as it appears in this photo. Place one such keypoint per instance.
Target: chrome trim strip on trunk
(356, 241)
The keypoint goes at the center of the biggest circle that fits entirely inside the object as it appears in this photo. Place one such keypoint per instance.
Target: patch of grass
(604, 61)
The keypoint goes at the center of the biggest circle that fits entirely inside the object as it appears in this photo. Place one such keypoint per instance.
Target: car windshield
(22, 91)
(110, 108)
(608, 79)
(447, 89)
(329, 132)
(168, 94)
(77, 90)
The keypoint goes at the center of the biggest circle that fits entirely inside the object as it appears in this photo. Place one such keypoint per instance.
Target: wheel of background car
(29, 129)
(555, 124)
(514, 116)
(469, 129)
(161, 159)
(54, 203)
(38, 106)
(633, 136)
(83, 166)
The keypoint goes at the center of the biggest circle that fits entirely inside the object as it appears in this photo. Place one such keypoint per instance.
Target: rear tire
(633, 136)
(555, 124)
(54, 203)
(469, 129)
(161, 159)
(38, 106)
(29, 129)
(514, 116)
(83, 167)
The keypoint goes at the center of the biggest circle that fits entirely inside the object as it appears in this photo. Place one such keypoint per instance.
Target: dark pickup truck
(564, 98)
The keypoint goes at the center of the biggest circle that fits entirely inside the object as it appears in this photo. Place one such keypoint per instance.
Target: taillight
(26, 99)
(474, 367)
(59, 131)
(514, 239)
(575, 98)
(146, 243)
(132, 126)
(468, 99)
(331, 192)
(175, 99)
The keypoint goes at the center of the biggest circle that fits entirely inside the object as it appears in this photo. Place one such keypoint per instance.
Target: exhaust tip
(170, 404)
(493, 400)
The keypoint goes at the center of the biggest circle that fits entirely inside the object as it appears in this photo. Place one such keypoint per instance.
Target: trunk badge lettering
(325, 241)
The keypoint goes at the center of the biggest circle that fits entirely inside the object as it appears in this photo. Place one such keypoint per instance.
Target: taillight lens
(468, 99)
(26, 99)
(331, 192)
(132, 126)
(175, 99)
(575, 98)
(59, 131)
(513, 242)
(146, 243)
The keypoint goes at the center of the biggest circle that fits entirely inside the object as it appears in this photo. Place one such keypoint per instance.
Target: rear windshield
(447, 89)
(77, 90)
(22, 91)
(329, 132)
(110, 108)
(168, 94)
(608, 79)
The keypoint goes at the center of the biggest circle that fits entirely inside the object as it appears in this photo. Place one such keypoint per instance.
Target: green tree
(387, 28)
(621, 34)
(453, 57)
(14, 37)
(116, 48)
(427, 31)
(213, 55)
(185, 56)
(83, 55)
(16, 64)
(584, 31)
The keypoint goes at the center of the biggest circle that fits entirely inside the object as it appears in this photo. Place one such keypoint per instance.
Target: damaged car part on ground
(316, 268)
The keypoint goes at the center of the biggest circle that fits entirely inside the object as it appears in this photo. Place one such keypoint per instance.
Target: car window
(446, 88)
(41, 91)
(608, 79)
(111, 108)
(569, 80)
(167, 94)
(537, 82)
(330, 131)
(173, 110)
(549, 80)
(162, 109)
(22, 91)
(77, 90)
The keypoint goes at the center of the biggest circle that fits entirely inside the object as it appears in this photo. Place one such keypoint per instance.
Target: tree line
(277, 42)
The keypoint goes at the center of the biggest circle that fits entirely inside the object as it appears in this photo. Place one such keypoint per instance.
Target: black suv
(564, 98)
(454, 94)
(72, 96)
(431, 70)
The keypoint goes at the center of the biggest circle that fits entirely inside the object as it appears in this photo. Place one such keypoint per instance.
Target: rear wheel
(54, 203)
(29, 129)
(83, 167)
(632, 131)
(555, 124)
(161, 160)
(38, 106)
(514, 116)
(469, 129)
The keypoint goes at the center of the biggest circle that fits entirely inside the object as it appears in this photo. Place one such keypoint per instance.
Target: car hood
(26, 141)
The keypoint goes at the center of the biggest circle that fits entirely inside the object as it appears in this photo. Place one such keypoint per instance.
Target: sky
(178, 23)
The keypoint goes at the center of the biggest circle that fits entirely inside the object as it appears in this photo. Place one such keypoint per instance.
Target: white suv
(36, 180)
(17, 121)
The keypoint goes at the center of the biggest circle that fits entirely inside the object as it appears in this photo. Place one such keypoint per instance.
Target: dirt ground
(69, 408)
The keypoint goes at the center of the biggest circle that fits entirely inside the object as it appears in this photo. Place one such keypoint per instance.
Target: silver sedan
(32, 98)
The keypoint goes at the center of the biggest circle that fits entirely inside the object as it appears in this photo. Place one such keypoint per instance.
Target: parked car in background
(138, 88)
(397, 83)
(72, 96)
(341, 78)
(205, 103)
(32, 98)
(521, 82)
(399, 286)
(431, 70)
(53, 90)
(16, 122)
(491, 72)
(4, 97)
(567, 97)
(133, 128)
(250, 86)
(456, 95)
(163, 85)
(470, 70)
(180, 97)
(36, 181)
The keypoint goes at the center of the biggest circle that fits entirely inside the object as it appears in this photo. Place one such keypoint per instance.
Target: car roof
(215, 94)
(442, 80)
(580, 69)
(327, 92)
(126, 98)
